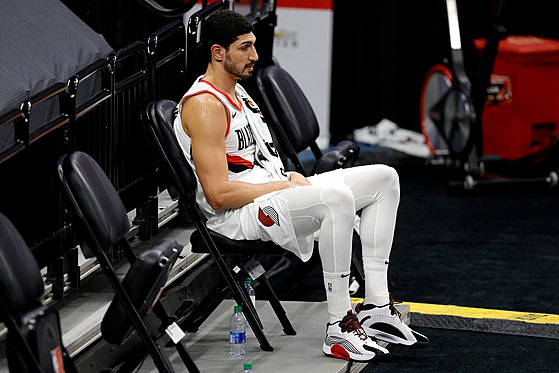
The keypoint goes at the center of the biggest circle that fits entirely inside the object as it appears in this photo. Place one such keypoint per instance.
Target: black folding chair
(34, 341)
(292, 120)
(293, 123)
(101, 222)
(157, 119)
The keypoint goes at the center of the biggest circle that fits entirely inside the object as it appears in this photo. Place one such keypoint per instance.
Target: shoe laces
(350, 323)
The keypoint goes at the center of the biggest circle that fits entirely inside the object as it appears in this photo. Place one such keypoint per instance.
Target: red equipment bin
(522, 117)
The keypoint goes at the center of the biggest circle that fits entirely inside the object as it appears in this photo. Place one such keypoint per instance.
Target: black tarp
(41, 43)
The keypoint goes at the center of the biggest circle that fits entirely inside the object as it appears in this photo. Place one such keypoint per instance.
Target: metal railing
(96, 111)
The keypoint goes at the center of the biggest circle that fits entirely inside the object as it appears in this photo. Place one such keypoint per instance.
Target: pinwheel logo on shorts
(268, 216)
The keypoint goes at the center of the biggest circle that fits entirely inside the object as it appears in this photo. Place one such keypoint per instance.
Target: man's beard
(231, 68)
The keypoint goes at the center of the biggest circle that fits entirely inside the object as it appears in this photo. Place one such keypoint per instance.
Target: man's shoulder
(203, 98)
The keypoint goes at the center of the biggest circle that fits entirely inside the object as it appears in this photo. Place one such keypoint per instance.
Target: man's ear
(218, 52)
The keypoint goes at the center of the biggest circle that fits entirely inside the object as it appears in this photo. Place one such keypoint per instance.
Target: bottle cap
(248, 366)
(248, 280)
(238, 308)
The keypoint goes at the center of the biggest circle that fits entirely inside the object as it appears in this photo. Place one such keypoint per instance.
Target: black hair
(223, 27)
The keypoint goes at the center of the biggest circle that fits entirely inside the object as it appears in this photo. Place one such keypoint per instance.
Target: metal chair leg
(277, 307)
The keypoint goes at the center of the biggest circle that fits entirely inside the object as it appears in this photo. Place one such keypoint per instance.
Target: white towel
(267, 155)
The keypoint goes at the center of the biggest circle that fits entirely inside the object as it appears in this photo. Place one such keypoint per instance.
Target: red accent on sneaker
(340, 352)
(358, 307)
(393, 309)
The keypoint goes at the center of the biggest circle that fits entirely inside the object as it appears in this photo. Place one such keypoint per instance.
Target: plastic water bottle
(247, 368)
(237, 335)
(251, 294)
(250, 291)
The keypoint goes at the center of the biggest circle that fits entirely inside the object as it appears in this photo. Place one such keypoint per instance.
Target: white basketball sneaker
(384, 323)
(347, 340)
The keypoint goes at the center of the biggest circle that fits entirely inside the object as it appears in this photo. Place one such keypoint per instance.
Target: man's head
(229, 38)
(224, 27)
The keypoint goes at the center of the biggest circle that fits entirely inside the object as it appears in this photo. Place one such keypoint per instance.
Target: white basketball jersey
(239, 140)
(267, 218)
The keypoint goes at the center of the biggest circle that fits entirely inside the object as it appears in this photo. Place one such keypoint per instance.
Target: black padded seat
(235, 247)
(143, 283)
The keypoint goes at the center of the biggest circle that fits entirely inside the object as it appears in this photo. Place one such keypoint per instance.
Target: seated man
(245, 193)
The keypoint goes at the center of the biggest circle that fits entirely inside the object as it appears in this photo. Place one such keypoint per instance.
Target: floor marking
(478, 313)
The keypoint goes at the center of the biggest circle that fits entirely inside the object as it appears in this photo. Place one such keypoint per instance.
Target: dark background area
(121, 22)
(383, 49)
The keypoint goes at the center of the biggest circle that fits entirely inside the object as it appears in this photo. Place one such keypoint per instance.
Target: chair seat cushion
(143, 283)
(229, 246)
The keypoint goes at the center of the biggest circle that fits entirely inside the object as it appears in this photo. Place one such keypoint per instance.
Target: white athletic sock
(376, 281)
(337, 294)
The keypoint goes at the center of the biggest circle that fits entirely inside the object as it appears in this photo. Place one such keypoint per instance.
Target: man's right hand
(298, 179)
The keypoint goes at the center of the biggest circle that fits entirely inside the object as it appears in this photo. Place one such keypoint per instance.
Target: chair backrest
(292, 121)
(34, 334)
(157, 118)
(286, 109)
(21, 284)
(96, 205)
(197, 55)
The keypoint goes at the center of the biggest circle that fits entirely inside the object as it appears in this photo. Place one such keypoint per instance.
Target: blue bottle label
(237, 337)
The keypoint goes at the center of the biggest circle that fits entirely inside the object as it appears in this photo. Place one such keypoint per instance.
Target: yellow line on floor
(478, 313)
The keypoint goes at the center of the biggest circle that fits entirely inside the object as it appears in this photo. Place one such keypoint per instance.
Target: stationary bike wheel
(437, 84)
(446, 114)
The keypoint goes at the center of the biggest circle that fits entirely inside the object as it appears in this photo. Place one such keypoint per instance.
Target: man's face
(241, 56)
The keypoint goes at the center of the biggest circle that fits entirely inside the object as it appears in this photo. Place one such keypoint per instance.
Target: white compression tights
(330, 204)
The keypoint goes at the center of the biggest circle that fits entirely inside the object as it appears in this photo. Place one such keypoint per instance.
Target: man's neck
(222, 81)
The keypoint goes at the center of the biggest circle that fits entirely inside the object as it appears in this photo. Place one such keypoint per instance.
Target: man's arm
(204, 119)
